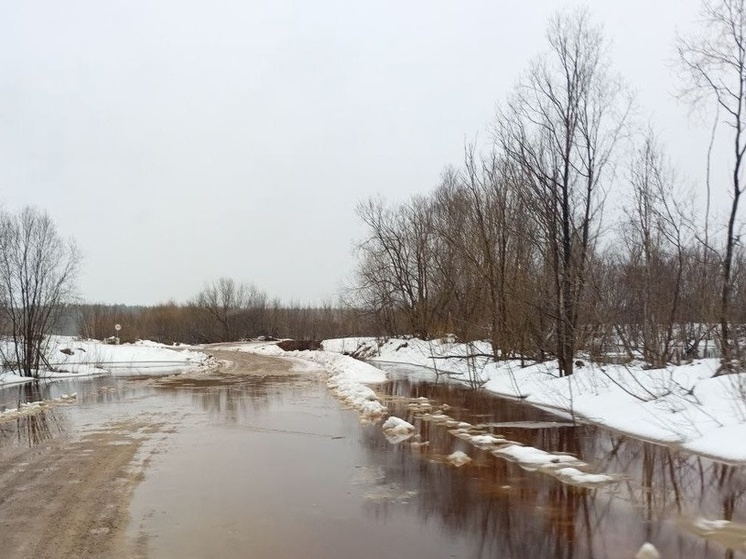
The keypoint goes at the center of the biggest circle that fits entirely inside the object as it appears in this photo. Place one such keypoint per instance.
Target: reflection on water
(512, 512)
(233, 398)
(36, 428)
(31, 429)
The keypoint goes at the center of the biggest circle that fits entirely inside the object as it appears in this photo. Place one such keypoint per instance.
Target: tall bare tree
(560, 129)
(715, 63)
(37, 275)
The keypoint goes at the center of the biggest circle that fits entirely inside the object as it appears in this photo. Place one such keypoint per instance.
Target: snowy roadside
(347, 377)
(74, 358)
(681, 405)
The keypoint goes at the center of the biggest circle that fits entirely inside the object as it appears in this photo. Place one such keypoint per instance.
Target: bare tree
(658, 235)
(480, 218)
(715, 64)
(37, 271)
(233, 307)
(396, 262)
(560, 129)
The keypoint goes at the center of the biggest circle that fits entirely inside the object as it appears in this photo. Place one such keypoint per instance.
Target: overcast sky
(180, 141)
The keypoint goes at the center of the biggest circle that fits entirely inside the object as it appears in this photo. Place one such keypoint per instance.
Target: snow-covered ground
(71, 357)
(684, 405)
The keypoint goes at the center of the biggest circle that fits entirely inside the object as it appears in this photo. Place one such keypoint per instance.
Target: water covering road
(259, 460)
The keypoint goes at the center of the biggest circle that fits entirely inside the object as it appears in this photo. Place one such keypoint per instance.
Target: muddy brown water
(269, 465)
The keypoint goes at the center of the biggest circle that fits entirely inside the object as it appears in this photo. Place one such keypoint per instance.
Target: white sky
(179, 141)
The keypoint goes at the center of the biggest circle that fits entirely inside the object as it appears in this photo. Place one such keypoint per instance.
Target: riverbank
(684, 406)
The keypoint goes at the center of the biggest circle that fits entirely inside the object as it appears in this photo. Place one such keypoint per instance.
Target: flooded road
(259, 460)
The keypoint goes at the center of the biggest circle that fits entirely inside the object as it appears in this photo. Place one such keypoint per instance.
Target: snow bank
(445, 356)
(576, 477)
(343, 367)
(358, 397)
(486, 440)
(347, 377)
(87, 356)
(683, 404)
(71, 358)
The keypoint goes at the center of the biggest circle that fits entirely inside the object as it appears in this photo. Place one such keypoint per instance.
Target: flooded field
(260, 461)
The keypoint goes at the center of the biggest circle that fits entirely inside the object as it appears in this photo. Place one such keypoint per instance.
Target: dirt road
(69, 495)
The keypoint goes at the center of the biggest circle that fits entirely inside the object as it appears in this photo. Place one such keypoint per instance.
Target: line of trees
(511, 245)
(224, 310)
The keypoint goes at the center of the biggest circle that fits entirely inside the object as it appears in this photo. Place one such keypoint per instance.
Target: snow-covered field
(683, 405)
(71, 357)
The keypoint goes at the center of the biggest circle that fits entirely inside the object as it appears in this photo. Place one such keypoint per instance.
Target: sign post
(117, 327)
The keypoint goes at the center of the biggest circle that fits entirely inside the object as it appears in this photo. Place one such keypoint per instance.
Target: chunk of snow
(485, 440)
(459, 458)
(397, 425)
(396, 430)
(648, 551)
(533, 456)
(583, 478)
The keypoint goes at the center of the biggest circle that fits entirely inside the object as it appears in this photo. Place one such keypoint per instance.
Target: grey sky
(181, 141)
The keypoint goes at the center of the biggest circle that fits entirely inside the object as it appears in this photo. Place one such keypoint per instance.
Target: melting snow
(459, 458)
(683, 404)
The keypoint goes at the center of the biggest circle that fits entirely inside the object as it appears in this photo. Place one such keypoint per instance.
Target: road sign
(117, 327)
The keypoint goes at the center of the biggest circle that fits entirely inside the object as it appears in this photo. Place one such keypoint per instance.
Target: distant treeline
(223, 311)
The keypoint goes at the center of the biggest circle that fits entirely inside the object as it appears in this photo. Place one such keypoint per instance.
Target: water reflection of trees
(234, 399)
(510, 512)
(33, 428)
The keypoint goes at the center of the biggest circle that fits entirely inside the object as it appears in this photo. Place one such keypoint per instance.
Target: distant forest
(225, 310)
